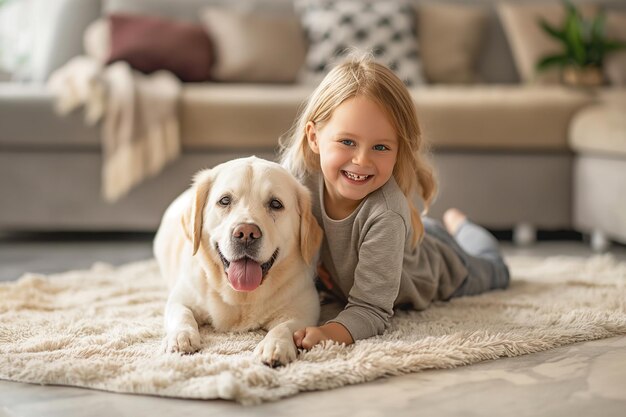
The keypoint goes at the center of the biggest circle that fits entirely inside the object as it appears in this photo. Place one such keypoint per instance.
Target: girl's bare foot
(453, 218)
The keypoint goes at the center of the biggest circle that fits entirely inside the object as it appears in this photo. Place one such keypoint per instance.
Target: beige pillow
(450, 37)
(529, 43)
(97, 40)
(615, 64)
(254, 48)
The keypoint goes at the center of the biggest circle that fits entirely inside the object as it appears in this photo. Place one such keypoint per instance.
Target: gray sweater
(372, 265)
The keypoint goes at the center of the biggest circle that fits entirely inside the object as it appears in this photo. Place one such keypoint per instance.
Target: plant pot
(583, 77)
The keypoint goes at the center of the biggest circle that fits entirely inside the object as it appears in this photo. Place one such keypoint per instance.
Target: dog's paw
(182, 341)
(275, 352)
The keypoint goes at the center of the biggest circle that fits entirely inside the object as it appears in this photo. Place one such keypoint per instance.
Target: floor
(585, 379)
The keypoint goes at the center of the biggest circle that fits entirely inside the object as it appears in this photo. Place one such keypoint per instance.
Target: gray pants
(479, 252)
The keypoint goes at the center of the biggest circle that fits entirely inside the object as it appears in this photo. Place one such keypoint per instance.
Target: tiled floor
(586, 379)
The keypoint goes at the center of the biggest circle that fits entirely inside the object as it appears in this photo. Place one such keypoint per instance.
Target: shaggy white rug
(102, 329)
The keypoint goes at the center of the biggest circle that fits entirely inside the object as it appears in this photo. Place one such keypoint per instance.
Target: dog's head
(249, 215)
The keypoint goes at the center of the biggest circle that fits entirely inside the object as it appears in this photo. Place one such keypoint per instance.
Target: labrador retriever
(237, 251)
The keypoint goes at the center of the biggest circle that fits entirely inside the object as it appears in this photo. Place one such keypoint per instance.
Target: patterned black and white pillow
(334, 28)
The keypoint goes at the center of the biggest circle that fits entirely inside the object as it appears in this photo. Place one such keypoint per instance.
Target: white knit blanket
(139, 113)
(102, 329)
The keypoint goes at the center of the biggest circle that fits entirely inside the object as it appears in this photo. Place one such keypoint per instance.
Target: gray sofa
(500, 148)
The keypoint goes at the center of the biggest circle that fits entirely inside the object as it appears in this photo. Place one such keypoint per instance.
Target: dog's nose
(247, 232)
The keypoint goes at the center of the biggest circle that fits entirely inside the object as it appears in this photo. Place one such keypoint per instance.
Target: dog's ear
(310, 232)
(192, 216)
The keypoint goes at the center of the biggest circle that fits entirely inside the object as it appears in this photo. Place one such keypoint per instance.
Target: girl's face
(358, 147)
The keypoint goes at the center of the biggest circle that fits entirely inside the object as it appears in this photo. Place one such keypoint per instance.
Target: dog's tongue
(244, 274)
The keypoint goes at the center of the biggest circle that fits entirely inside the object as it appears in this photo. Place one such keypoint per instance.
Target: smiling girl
(357, 145)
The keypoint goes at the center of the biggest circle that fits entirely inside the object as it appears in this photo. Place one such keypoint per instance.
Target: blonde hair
(361, 76)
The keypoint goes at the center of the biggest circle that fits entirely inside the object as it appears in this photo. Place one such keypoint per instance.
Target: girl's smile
(356, 178)
(358, 147)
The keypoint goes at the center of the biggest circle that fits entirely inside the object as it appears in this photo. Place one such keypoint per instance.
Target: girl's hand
(310, 336)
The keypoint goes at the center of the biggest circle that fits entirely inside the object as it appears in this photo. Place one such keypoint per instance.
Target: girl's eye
(224, 201)
(380, 148)
(276, 204)
(347, 142)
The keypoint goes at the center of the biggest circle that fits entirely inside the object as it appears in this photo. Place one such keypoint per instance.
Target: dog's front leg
(277, 347)
(181, 329)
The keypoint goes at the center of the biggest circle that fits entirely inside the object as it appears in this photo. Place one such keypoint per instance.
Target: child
(358, 147)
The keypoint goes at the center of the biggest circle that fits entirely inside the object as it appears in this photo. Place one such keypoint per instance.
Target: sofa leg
(524, 234)
(599, 241)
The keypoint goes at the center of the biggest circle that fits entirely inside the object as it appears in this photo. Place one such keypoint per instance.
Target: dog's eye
(276, 204)
(224, 201)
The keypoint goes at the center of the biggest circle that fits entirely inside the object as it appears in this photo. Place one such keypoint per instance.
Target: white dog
(237, 252)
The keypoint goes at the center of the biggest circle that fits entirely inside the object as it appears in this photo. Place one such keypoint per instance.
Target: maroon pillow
(150, 43)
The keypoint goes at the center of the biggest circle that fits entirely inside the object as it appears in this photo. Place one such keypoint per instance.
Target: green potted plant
(585, 47)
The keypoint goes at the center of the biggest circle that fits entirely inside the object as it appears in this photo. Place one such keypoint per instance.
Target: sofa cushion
(450, 37)
(498, 118)
(252, 116)
(464, 117)
(222, 116)
(253, 48)
(150, 43)
(495, 64)
(335, 27)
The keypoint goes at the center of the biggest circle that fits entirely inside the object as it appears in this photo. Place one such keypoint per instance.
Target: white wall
(25, 34)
